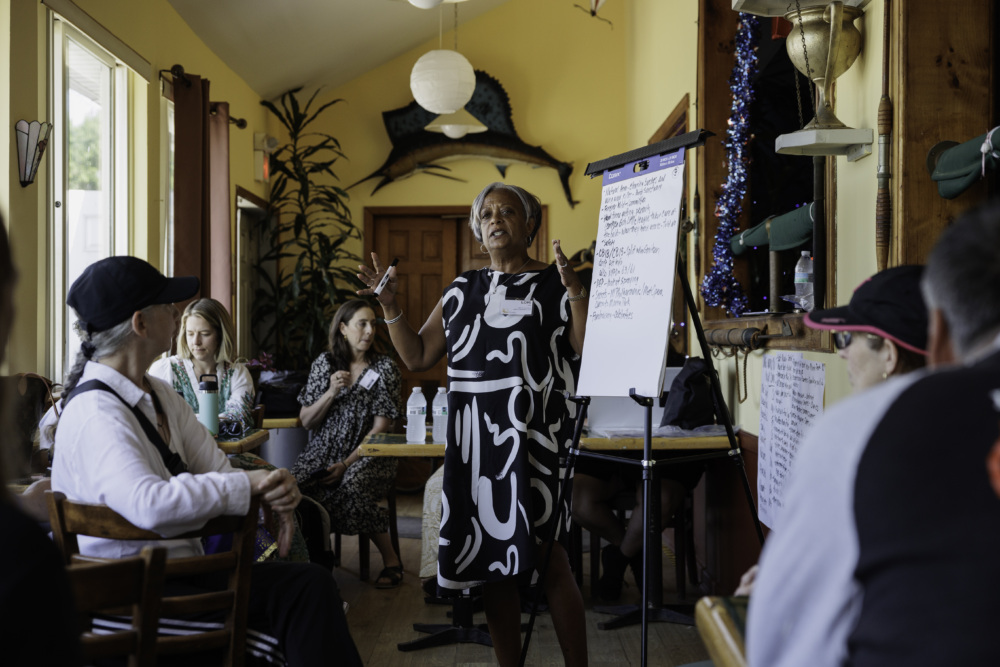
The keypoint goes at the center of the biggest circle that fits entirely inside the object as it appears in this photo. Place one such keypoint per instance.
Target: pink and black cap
(889, 304)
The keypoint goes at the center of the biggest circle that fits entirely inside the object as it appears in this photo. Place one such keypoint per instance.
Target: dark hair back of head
(339, 348)
(962, 277)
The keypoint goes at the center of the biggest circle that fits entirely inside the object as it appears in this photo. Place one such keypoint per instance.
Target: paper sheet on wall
(628, 321)
(791, 400)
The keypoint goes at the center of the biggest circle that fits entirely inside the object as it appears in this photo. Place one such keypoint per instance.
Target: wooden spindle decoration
(883, 199)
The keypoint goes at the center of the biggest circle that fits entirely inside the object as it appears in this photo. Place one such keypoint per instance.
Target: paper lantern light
(456, 125)
(442, 81)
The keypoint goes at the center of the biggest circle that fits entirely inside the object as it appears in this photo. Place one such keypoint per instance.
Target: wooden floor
(381, 619)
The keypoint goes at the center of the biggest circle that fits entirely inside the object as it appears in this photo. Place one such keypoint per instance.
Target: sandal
(392, 576)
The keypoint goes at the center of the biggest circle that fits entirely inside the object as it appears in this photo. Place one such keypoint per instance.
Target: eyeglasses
(841, 339)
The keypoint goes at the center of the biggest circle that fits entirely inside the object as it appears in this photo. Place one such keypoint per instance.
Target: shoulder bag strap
(175, 464)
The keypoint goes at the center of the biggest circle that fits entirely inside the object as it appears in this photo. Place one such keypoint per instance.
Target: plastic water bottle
(208, 403)
(439, 412)
(416, 418)
(804, 278)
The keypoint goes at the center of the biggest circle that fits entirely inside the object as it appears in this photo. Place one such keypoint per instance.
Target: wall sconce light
(32, 138)
(263, 146)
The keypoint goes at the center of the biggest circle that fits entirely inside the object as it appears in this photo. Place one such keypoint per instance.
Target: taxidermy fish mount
(414, 149)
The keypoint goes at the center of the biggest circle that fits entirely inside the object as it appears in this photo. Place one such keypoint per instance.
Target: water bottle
(439, 412)
(804, 278)
(208, 403)
(416, 418)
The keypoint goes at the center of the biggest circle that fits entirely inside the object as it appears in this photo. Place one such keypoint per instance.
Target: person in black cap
(883, 330)
(128, 440)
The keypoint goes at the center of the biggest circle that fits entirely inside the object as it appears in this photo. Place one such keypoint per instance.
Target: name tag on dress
(516, 307)
(368, 379)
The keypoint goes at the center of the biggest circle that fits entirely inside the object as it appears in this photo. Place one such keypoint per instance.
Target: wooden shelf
(780, 7)
(797, 336)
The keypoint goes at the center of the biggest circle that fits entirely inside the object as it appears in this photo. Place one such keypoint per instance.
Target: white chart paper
(791, 400)
(628, 321)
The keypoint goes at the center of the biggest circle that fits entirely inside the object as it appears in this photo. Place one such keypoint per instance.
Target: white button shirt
(103, 456)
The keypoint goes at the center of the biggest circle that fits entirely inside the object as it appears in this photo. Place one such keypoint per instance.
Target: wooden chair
(70, 519)
(257, 413)
(721, 622)
(364, 540)
(682, 522)
(135, 583)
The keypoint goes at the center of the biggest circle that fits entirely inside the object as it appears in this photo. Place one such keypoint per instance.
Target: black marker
(385, 278)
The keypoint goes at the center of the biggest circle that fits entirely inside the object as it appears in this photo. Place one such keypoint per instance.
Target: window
(91, 156)
(167, 174)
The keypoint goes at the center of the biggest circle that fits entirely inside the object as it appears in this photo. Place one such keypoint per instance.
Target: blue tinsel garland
(719, 287)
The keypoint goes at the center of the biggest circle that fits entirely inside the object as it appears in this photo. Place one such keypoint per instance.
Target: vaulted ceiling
(276, 46)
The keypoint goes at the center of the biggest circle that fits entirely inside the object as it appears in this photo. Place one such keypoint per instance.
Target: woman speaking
(511, 332)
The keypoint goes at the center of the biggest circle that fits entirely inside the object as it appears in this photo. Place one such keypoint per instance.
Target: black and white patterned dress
(509, 423)
(353, 504)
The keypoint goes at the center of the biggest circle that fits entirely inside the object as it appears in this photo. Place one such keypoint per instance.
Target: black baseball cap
(110, 290)
(889, 304)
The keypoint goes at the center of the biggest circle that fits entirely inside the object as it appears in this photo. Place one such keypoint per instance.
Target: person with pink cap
(883, 330)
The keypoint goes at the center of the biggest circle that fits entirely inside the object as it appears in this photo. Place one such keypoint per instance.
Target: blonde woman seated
(206, 345)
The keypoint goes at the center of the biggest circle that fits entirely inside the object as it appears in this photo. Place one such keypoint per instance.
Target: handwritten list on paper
(791, 400)
(628, 320)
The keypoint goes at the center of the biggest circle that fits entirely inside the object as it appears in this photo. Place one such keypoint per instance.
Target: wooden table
(253, 439)
(281, 422)
(394, 444)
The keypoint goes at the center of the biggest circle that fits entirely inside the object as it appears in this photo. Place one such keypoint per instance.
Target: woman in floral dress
(352, 392)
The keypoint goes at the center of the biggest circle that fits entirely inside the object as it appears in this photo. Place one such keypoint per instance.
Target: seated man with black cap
(131, 442)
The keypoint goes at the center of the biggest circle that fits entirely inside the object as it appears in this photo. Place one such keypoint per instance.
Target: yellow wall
(566, 94)
(592, 93)
(154, 30)
(662, 52)
(858, 93)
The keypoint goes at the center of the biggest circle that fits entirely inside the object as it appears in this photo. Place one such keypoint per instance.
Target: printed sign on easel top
(628, 321)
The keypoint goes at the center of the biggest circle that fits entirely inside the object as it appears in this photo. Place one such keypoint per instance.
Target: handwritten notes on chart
(791, 399)
(628, 321)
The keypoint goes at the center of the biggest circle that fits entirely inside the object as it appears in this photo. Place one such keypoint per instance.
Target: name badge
(516, 307)
(368, 379)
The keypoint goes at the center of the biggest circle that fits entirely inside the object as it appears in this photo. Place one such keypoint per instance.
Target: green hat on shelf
(955, 167)
(779, 232)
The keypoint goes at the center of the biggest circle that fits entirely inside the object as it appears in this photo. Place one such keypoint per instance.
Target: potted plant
(307, 269)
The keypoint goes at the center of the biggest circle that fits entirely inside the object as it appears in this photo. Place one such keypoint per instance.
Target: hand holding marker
(385, 278)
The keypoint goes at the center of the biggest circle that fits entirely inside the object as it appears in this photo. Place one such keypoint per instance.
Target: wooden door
(434, 244)
(425, 243)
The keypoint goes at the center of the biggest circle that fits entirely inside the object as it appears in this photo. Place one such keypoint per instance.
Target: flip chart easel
(633, 278)
(607, 371)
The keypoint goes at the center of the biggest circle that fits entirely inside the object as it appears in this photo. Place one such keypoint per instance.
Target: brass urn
(832, 44)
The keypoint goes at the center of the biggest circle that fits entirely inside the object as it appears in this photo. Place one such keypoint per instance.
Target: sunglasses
(841, 339)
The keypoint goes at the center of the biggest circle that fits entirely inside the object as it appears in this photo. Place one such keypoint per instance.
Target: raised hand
(570, 280)
(371, 276)
(339, 380)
